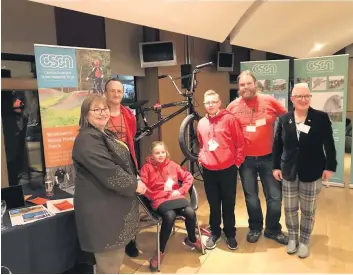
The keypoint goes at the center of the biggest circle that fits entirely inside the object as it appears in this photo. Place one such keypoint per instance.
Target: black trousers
(221, 187)
(168, 220)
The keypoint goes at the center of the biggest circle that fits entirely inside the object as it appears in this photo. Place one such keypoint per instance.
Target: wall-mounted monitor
(157, 54)
(225, 62)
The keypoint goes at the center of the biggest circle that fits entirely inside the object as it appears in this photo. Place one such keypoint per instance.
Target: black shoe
(131, 249)
(276, 236)
(253, 236)
(232, 243)
(212, 242)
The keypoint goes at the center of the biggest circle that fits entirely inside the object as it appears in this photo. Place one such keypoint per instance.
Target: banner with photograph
(65, 75)
(327, 78)
(272, 77)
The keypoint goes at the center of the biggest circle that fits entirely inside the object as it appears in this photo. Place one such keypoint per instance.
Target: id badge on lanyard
(212, 143)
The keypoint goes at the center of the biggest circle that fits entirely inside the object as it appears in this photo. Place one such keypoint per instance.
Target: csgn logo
(264, 69)
(56, 61)
(320, 65)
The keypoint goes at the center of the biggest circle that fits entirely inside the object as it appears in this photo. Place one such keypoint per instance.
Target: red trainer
(197, 245)
(154, 262)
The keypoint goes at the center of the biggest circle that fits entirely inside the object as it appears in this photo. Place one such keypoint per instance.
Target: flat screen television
(225, 62)
(157, 54)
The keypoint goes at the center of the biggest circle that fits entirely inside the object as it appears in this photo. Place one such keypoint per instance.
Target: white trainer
(292, 246)
(303, 251)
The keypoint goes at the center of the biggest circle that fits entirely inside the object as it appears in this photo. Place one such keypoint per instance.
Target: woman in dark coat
(106, 207)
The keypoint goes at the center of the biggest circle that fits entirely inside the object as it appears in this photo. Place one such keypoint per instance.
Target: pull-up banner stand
(65, 75)
(327, 78)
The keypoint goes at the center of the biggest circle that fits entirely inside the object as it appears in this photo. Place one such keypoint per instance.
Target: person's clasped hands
(141, 187)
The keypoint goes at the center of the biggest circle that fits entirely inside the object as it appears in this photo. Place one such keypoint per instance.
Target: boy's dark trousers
(220, 187)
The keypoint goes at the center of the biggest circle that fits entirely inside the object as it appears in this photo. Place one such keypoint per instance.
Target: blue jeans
(249, 170)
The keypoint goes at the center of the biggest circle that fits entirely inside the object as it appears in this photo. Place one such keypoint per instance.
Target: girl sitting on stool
(161, 176)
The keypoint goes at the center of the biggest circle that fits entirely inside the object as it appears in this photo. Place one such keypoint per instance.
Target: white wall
(123, 41)
(25, 23)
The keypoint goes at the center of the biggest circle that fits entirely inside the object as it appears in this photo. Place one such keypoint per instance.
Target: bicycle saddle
(138, 104)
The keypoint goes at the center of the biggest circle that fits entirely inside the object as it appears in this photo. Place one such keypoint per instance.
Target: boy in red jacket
(161, 177)
(221, 153)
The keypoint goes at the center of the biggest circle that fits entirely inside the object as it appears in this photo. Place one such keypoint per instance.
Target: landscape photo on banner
(272, 77)
(66, 75)
(327, 78)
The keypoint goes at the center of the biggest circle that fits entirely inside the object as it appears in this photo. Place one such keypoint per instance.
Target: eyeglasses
(98, 111)
(209, 103)
(306, 97)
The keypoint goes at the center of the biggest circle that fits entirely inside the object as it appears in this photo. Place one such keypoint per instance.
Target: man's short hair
(116, 78)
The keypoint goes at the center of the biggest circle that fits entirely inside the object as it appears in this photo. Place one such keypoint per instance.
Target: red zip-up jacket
(155, 175)
(224, 129)
(130, 124)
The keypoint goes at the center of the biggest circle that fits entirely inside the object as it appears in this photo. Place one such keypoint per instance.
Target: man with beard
(257, 114)
(122, 123)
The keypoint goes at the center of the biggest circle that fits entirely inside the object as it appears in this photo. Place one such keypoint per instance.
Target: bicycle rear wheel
(189, 144)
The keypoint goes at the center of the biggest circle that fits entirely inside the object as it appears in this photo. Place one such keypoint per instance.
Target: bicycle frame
(149, 129)
(187, 104)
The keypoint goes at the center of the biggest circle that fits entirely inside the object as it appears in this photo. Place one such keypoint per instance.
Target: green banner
(272, 77)
(327, 78)
(66, 75)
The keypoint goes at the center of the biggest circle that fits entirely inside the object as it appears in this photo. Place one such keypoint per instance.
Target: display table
(46, 246)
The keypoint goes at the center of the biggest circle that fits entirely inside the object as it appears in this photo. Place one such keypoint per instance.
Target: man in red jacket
(123, 123)
(257, 114)
(221, 153)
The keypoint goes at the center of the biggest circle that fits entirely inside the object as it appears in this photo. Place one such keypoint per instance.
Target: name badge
(212, 145)
(304, 128)
(251, 128)
(168, 186)
(260, 122)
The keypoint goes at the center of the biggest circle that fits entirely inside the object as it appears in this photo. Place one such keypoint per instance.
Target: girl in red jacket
(167, 197)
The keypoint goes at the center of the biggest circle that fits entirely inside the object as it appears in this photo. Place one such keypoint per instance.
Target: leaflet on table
(59, 206)
(29, 214)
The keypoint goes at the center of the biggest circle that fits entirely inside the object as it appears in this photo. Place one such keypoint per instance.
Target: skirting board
(334, 184)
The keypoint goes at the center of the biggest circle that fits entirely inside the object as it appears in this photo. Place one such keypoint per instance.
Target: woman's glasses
(98, 111)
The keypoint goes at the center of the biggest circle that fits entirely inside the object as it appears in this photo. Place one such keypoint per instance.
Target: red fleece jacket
(226, 131)
(155, 175)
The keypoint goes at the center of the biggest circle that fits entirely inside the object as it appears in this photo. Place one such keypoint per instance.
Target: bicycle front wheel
(189, 144)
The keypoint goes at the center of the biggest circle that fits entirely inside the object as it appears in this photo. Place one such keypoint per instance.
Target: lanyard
(119, 134)
(212, 132)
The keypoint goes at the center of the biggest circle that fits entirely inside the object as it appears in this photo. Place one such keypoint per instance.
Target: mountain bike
(97, 86)
(188, 141)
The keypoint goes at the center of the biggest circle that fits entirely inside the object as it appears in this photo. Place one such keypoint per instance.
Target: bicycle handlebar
(204, 65)
(186, 76)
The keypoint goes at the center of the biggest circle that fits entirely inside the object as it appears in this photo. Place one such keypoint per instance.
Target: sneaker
(131, 249)
(232, 243)
(212, 242)
(197, 245)
(303, 251)
(278, 237)
(253, 236)
(292, 246)
(154, 261)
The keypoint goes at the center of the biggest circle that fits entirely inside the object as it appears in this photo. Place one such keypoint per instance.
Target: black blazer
(311, 155)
